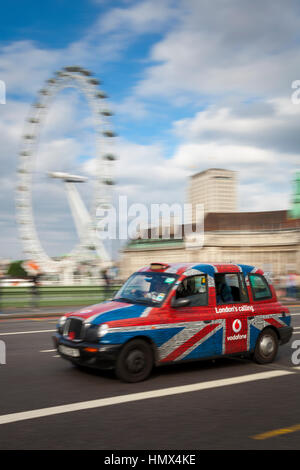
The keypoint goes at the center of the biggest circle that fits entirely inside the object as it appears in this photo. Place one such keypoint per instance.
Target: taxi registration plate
(72, 352)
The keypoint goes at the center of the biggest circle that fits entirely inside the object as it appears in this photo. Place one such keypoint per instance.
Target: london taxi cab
(179, 312)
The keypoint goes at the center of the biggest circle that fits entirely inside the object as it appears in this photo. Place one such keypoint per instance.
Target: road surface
(229, 403)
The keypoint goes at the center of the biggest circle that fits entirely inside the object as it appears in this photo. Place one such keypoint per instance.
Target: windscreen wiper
(123, 299)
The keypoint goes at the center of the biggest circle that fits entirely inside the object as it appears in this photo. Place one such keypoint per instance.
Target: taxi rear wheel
(135, 361)
(266, 347)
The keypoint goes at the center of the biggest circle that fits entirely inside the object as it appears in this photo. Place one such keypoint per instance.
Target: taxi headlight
(61, 322)
(102, 330)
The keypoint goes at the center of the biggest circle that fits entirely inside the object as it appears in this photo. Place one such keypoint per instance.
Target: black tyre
(135, 361)
(266, 347)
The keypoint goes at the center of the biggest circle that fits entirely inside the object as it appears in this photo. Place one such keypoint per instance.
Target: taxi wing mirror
(112, 294)
(177, 303)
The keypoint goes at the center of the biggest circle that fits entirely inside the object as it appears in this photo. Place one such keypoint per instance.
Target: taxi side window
(230, 288)
(259, 286)
(195, 289)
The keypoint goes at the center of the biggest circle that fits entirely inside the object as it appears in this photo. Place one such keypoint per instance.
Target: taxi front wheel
(266, 347)
(135, 361)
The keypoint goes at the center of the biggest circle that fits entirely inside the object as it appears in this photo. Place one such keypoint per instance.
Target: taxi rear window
(259, 286)
(230, 288)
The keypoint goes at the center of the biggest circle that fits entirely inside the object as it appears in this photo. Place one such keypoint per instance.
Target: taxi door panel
(197, 337)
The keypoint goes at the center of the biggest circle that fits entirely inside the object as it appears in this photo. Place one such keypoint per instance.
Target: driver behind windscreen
(158, 288)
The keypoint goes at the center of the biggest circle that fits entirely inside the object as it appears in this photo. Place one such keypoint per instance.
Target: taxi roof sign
(158, 266)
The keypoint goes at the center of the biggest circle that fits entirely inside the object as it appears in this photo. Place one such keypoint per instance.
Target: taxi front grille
(74, 329)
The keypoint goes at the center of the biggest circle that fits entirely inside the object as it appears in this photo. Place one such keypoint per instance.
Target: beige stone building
(265, 239)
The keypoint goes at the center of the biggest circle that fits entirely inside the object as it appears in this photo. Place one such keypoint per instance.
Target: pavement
(38, 311)
(24, 312)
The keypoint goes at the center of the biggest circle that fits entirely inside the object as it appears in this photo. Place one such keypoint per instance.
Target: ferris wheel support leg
(83, 222)
(67, 275)
(80, 214)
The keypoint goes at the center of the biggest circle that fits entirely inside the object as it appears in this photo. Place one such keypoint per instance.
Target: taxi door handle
(207, 321)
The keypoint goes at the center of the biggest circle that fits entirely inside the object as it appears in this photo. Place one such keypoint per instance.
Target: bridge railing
(46, 296)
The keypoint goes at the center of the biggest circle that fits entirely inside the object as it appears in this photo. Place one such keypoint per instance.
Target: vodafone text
(236, 337)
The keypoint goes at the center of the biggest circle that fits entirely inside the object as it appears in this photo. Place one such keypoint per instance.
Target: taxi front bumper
(95, 355)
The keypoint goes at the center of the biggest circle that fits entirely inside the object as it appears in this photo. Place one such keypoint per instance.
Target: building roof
(210, 170)
(266, 220)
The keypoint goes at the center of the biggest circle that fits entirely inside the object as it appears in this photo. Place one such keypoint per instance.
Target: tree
(16, 270)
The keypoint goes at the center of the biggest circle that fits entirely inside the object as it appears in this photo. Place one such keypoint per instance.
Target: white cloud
(215, 119)
(24, 66)
(221, 48)
(260, 144)
(144, 175)
(130, 107)
(257, 197)
(140, 18)
(218, 155)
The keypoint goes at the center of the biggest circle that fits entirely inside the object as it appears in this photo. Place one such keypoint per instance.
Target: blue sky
(193, 84)
(52, 23)
(55, 25)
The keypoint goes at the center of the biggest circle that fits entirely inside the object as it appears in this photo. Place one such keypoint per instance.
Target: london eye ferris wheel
(85, 220)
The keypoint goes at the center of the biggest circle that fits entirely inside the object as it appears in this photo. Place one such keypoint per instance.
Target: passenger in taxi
(223, 290)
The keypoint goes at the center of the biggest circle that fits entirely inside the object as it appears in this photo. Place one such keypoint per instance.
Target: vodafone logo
(237, 325)
(236, 328)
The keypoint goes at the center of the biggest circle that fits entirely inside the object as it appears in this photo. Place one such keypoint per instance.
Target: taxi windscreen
(147, 288)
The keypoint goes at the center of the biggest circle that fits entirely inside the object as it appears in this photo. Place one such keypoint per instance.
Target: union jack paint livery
(179, 312)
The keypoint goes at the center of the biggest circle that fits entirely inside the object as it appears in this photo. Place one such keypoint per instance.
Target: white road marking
(26, 332)
(48, 350)
(133, 397)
